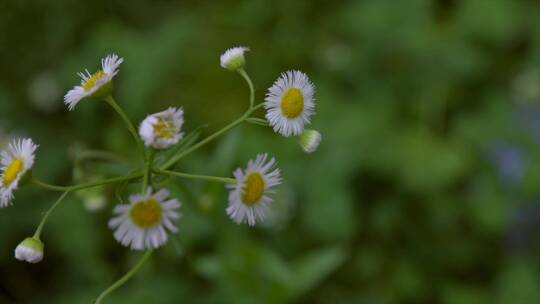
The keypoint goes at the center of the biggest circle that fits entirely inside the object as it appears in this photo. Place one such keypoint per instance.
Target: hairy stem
(243, 73)
(203, 142)
(37, 234)
(82, 186)
(148, 171)
(173, 160)
(110, 100)
(125, 278)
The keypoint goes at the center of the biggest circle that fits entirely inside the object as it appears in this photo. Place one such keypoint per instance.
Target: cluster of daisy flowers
(150, 216)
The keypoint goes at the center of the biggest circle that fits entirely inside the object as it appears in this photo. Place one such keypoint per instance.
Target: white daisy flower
(97, 84)
(141, 223)
(162, 130)
(16, 161)
(290, 103)
(310, 140)
(248, 199)
(30, 250)
(233, 59)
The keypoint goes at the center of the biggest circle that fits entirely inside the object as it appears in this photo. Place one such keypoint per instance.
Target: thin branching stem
(245, 75)
(82, 186)
(203, 142)
(148, 171)
(39, 229)
(173, 160)
(110, 100)
(125, 278)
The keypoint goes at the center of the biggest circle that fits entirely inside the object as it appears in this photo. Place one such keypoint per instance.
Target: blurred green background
(424, 190)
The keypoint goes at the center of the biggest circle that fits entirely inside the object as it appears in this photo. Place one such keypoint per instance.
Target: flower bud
(94, 202)
(310, 140)
(30, 250)
(233, 59)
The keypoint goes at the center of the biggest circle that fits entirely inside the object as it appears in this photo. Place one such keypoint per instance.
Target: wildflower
(162, 130)
(248, 199)
(290, 103)
(141, 223)
(310, 140)
(98, 84)
(30, 250)
(16, 161)
(233, 59)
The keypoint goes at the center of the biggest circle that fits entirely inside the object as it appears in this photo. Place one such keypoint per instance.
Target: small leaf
(208, 266)
(258, 121)
(184, 144)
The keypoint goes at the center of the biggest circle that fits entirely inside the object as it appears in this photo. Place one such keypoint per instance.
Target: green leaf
(518, 284)
(258, 121)
(313, 268)
(183, 145)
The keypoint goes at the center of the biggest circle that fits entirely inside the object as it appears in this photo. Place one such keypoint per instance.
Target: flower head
(233, 59)
(16, 161)
(248, 199)
(290, 103)
(141, 223)
(97, 84)
(30, 250)
(310, 140)
(162, 130)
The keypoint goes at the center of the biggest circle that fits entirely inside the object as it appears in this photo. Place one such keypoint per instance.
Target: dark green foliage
(425, 188)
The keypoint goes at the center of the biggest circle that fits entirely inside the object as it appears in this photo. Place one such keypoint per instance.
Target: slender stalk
(243, 73)
(92, 184)
(37, 234)
(110, 100)
(225, 180)
(258, 121)
(203, 142)
(235, 123)
(49, 186)
(148, 171)
(125, 278)
(256, 107)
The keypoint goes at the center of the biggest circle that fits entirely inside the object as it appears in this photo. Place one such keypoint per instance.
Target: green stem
(148, 171)
(243, 73)
(100, 182)
(256, 107)
(37, 234)
(110, 100)
(203, 142)
(225, 180)
(258, 121)
(49, 186)
(125, 278)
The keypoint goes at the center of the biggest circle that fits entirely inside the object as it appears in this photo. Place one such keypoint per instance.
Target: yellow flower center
(91, 82)
(12, 172)
(253, 189)
(164, 129)
(146, 214)
(292, 103)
